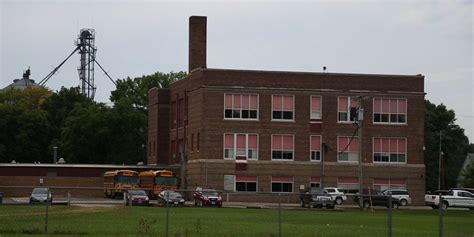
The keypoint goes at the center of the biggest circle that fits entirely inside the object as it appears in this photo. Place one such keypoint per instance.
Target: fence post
(167, 210)
(279, 214)
(68, 198)
(46, 214)
(390, 215)
(440, 205)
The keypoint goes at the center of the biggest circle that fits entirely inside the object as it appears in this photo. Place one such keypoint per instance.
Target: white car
(337, 195)
(401, 194)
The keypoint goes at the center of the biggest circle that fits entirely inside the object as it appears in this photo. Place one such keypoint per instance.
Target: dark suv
(375, 198)
(316, 197)
(207, 197)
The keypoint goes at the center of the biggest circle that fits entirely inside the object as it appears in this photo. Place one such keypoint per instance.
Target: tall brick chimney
(197, 42)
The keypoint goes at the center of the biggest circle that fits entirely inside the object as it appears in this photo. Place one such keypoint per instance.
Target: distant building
(24, 82)
(254, 132)
(467, 162)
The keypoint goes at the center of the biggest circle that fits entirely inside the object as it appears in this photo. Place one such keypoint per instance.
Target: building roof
(24, 82)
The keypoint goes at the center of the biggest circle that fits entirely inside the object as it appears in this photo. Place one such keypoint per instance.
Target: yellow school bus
(117, 181)
(155, 181)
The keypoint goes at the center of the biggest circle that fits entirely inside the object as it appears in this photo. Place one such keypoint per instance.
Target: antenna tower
(86, 45)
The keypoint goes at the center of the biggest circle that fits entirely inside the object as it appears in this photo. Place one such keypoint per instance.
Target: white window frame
(293, 111)
(389, 122)
(338, 153)
(271, 147)
(234, 150)
(235, 185)
(349, 99)
(282, 182)
(389, 162)
(320, 148)
(311, 107)
(241, 94)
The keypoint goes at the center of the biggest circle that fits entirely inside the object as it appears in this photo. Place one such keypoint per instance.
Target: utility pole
(439, 162)
(360, 120)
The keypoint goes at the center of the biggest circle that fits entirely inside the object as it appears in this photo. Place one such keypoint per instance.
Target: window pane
(353, 156)
(401, 158)
(236, 113)
(287, 155)
(315, 155)
(385, 118)
(402, 118)
(240, 187)
(377, 118)
(287, 187)
(287, 115)
(276, 187)
(343, 156)
(253, 114)
(245, 114)
(342, 104)
(276, 154)
(277, 102)
(228, 113)
(377, 157)
(251, 187)
(342, 116)
(315, 115)
(393, 118)
(277, 115)
(393, 158)
(288, 103)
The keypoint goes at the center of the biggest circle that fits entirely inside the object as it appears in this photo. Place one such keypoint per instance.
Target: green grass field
(150, 221)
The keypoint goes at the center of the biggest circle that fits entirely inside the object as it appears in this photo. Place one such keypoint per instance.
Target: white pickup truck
(451, 198)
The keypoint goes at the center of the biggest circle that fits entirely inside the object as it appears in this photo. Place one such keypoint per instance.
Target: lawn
(25, 220)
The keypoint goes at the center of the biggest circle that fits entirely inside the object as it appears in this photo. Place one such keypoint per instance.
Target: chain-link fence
(62, 195)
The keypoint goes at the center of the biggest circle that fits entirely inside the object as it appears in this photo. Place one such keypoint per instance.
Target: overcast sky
(137, 38)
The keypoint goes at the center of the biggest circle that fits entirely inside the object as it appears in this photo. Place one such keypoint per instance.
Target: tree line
(35, 120)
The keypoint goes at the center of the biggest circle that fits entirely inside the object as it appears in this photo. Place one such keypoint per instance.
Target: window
(347, 109)
(282, 184)
(347, 149)
(173, 114)
(240, 106)
(382, 184)
(282, 147)
(246, 184)
(348, 185)
(245, 145)
(315, 148)
(315, 182)
(392, 111)
(315, 107)
(389, 150)
(282, 107)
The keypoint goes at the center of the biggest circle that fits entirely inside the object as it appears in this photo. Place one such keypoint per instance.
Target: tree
(135, 90)
(454, 145)
(468, 175)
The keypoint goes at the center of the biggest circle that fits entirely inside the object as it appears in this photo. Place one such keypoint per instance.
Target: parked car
(41, 195)
(207, 197)
(171, 197)
(337, 195)
(402, 195)
(137, 197)
(316, 197)
(431, 198)
(375, 198)
(453, 198)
